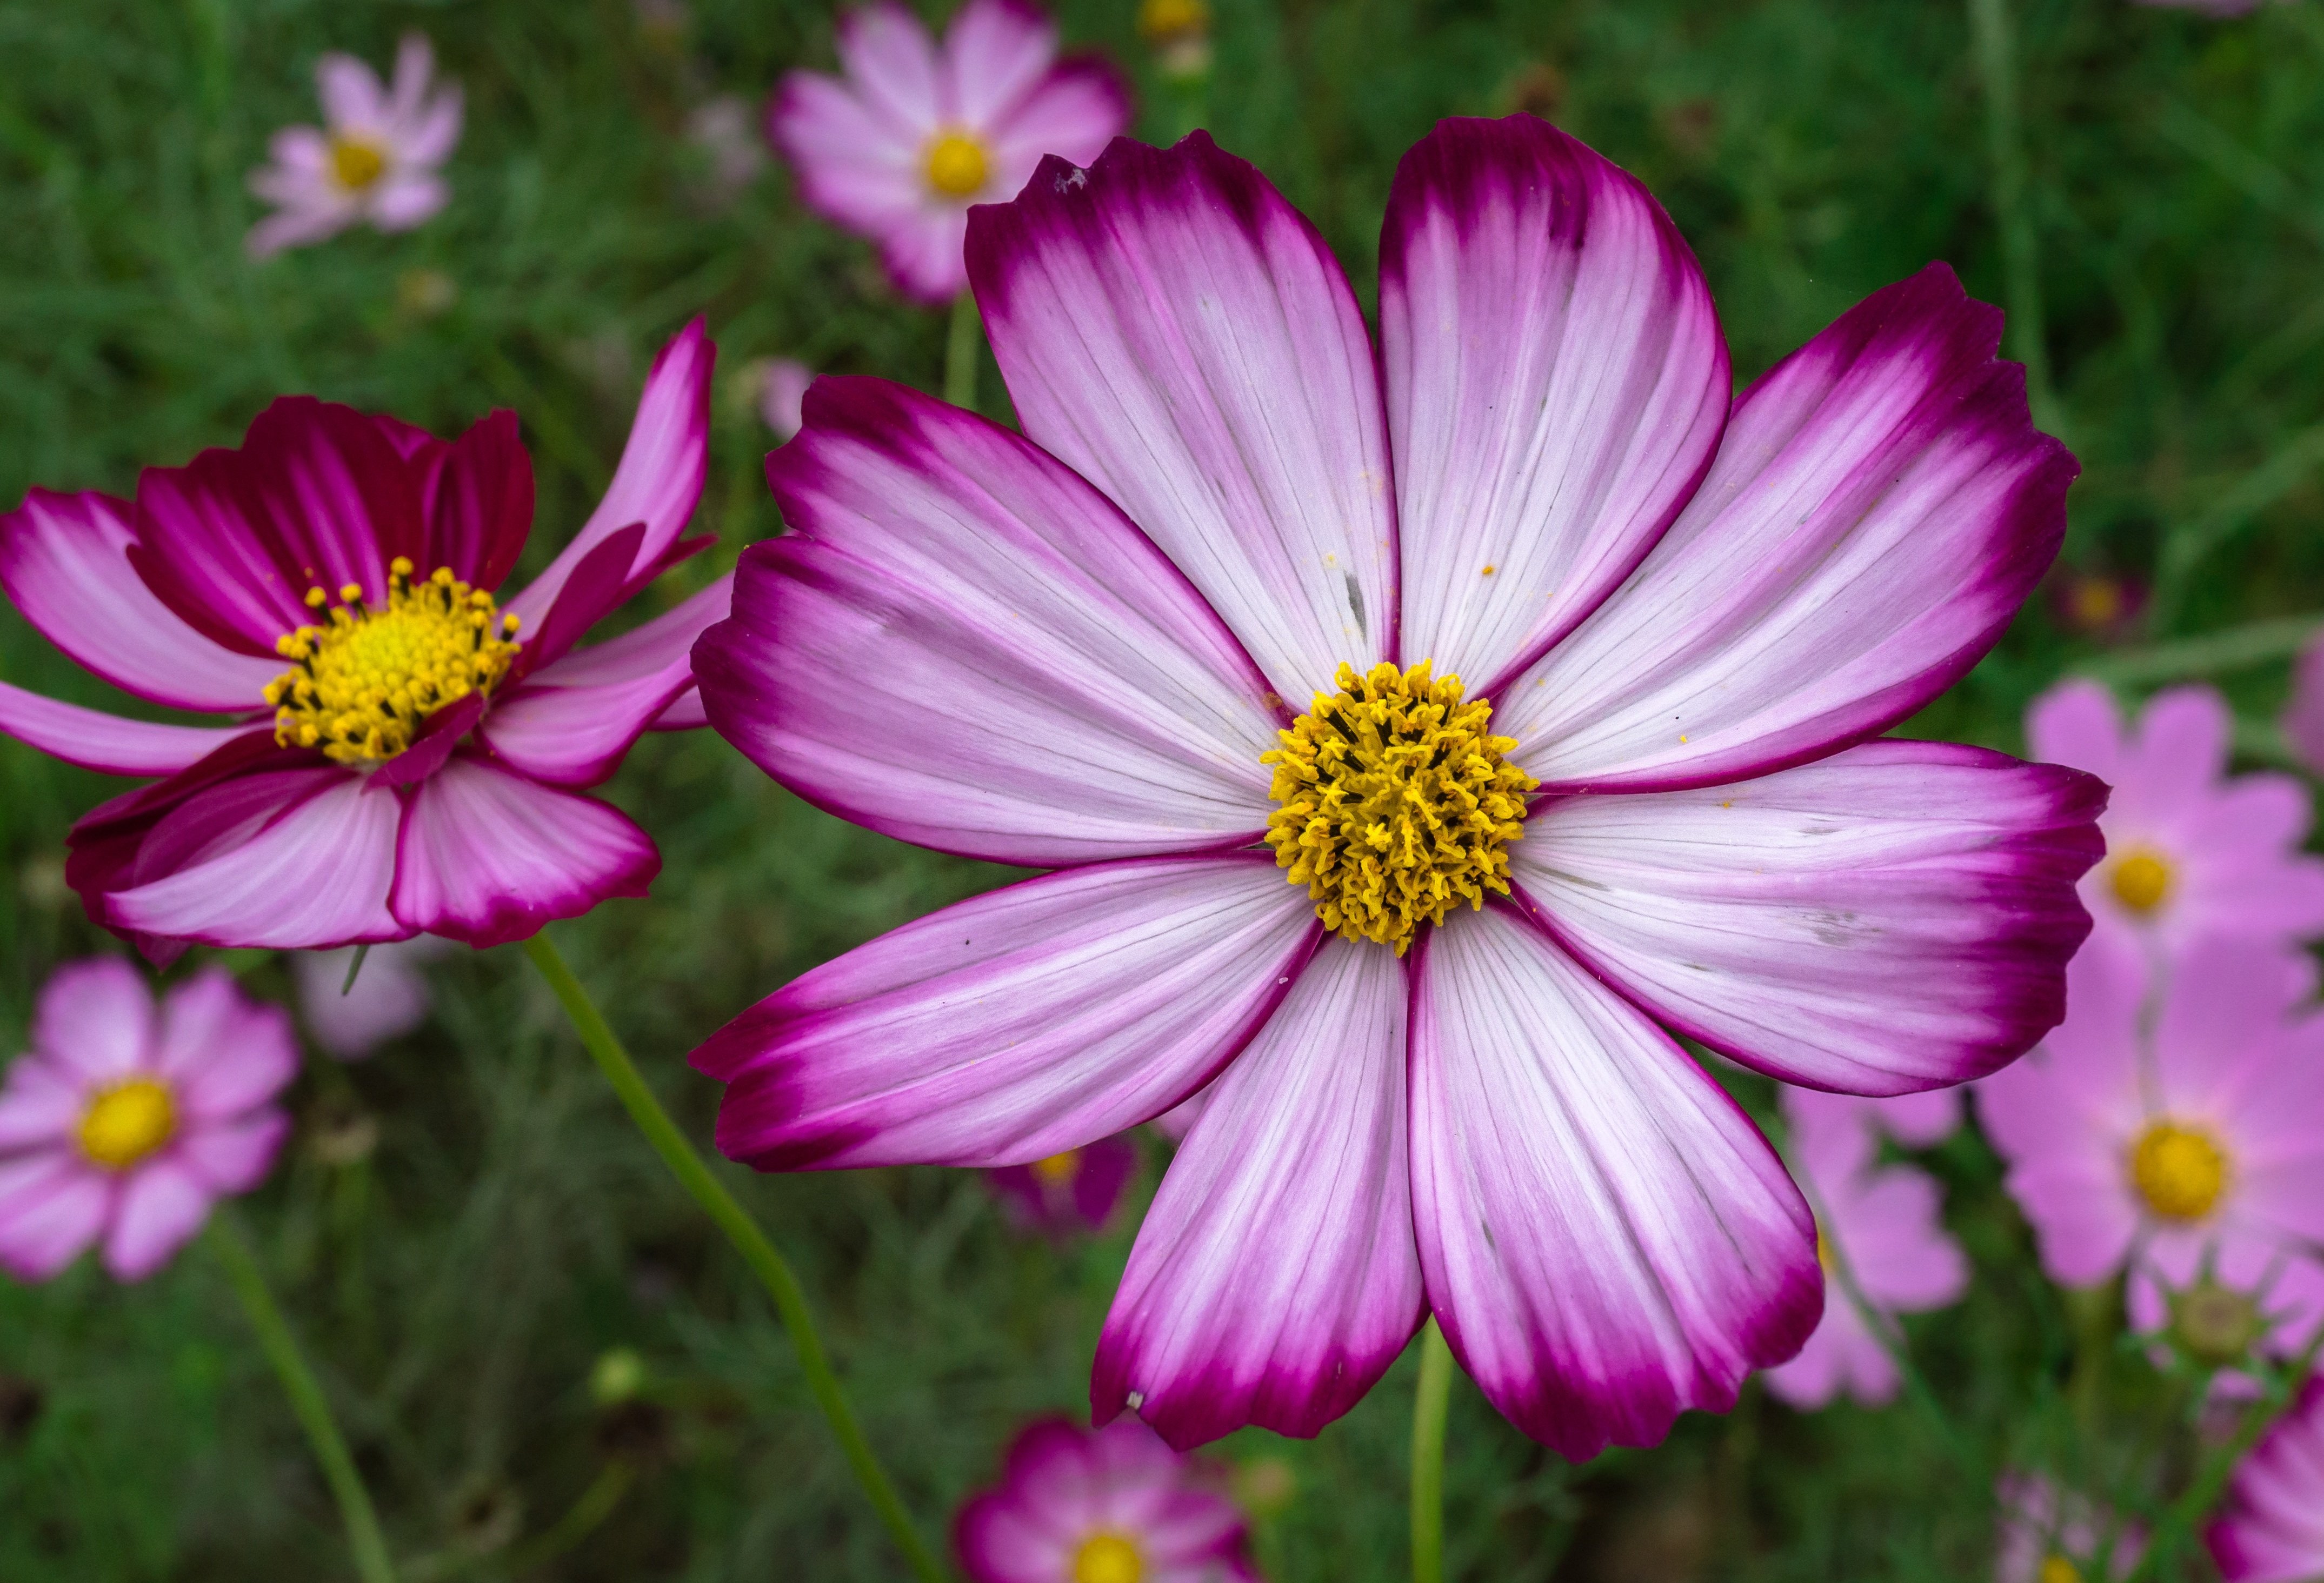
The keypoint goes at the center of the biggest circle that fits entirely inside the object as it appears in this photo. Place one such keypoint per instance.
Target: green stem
(2237, 649)
(963, 346)
(752, 1243)
(306, 1401)
(1428, 1409)
(2021, 259)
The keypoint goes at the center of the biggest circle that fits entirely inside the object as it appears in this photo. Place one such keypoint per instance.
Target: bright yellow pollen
(1107, 1558)
(2057, 1569)
(2140, 878)
(1058, 1169)
(359, 687)
(126, 1122)
(357, 163)
(957, 164)
(2179, 1171)
(1397, 803)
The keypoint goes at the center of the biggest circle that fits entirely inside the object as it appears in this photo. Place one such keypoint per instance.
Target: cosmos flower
(2193, 1150)
(405, 753)
(780, 393)
(1521, 587)
(1885, 1222)
(1111, 1505)
(125, 1122)
(389, 998)
(899, 146)
(2189, 850)
(2048, 1538)
(1069, 1193)
(2271, 1529)
(375, 160)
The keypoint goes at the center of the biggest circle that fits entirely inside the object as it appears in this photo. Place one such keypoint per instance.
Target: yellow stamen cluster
(356, 161)
(2140, 878)
(1108, 1558)
(956, 164)
(361, 683)
(1056, 1170)
(127, 1121)
(2179, 1170)
(2057, 1569)
(1396, 802)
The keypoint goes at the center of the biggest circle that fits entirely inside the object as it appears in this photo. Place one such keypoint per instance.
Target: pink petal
(685, 713)
(1034, 1019)
(1178, 335)
(2302, 721)
(1842, 1357)
(892, 61)
(108, 744)
(1893, 917)
(963, 646)
(42, 1101)
(855, 166)
(415, 62)
(1077, 109)
(922, 252)
(782, 395)
(223, 1053)
(1880, 506)
(1608, 1240)
(162, 1204)
(487, 857)
(427, 138)
(351, 93)
(297, 227)
(1275, 1278)
(406, 199)
(995, 54)
(2271, 1528)
(2076, 723)
(475, 493)
(52, 1205)
(234, 1156)
(1888, 1224)
(1556, 385)
(2180, 752)
(391, 996)
(95, 1020)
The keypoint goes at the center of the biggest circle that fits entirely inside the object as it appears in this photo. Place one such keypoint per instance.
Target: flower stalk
(1428, 1411)
(963, 342)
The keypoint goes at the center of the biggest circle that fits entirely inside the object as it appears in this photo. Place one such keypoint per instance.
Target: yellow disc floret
(357, 163)
(1107, 1558)
(2140, 878)
(127, 1121)
(1397, 803)
(361, 683)
(2057, 1569)
(1058, 1169)
(956, 164)
(2179, 1170)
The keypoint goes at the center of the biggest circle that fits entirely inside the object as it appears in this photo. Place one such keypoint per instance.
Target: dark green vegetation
(457, 1281)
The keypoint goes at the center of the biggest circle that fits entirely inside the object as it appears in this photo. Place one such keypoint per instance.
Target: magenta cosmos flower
(2272, 1527)
(125, 1122)
(375, 160)
(404, 755)
(898, 148)
(1068, 1194)
(2189, 850)
(1113, 1506)
(1528, 575)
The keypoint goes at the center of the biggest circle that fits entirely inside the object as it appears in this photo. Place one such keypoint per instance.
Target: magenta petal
(52, 1205)
(234, 1156)
(95, 1020)
(487, 857)
(1557, 383)
(223, 1052)
(42, 1101)
(2271, 1527)
(1275, 1278)
(1035, 1019)
(1608, 1240)
(1178, 335)
(162, 1204)
(476, 498)
(597, 584)
(1880, 506)
(108, 744)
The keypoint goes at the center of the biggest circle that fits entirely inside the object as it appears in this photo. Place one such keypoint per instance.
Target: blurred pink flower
(2189, 850)
(375, 158)
(898, 147)
(1884, 1223)
(1917, 1121)
(390, 996)
(1109, 1505)
(124, 1123)
(2303, 716)
(2271, 1527)
(2044, 1538)
(1070, 1193)
(782, 393)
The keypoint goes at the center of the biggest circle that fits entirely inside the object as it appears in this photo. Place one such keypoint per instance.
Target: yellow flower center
(2096, 600)
(127, 1121)
(1058, 1169)
(2179, 1171)
(1396, 802)
(2057, 1569)
(1107, 1558)
(956, 164)
(2140, 878)
(361, 683)
(1161, 22)
(356, 161)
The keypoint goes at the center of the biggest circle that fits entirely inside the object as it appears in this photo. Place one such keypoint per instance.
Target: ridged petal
(108, 743)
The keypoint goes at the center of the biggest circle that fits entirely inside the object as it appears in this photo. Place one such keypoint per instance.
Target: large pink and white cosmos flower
(898, 147)
(375, 160)
(403, 755)
(1674, 624)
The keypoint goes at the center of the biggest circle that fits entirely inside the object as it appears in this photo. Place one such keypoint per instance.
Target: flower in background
(125, 1122)
(1067, 1193)
(722, 129)
(1109, 1505)
(1436, 1082)
(405, 755)
(389, 998)
(1884, 1223)
(2045, 1538)
(2303, 716)
(2097, 604)
(2189, 850)
(2271, 1528)
(2193, 1150)
(1179, 32)
(1916, 1121)
(899, 146)
(374, 161)
(781, 392)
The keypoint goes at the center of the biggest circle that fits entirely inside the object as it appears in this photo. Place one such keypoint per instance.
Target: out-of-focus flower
(2303, 716)
(899, 146)
(1436, 1082)
(390, 996)
(2195, 1148)
(1179, 33)
(2271, 1528)
(405, 755)
(781, 394)
(1113, 1506)
(2044, 1538)
(1070, 1193)
(723, 129)
(125, 1122)
(375, 160)
(2189, 850)
(2097, 604)
(1883, 1222)
(1179, 1120)
(1917, 1121)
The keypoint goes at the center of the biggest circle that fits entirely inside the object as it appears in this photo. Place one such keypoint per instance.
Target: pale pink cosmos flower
(781, 392)
(390, 996)
(897, 147)
(403, 755)
(126, 1121)
(1884, 1224)
(373, 161)
(2189, 849)
(1087, 649)
(1916, 1121)
(1069, 1194)
(2271, 1528)
(1109, 1505)
(2045, 1537)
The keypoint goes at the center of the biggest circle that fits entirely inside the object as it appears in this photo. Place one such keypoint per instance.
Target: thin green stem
(2236, 649)
(1428, 1409)
(773, 1272)
(2021, 256)
(963, 346)
(306, 1401)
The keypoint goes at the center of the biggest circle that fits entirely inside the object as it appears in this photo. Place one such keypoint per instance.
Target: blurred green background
(456, 1282)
